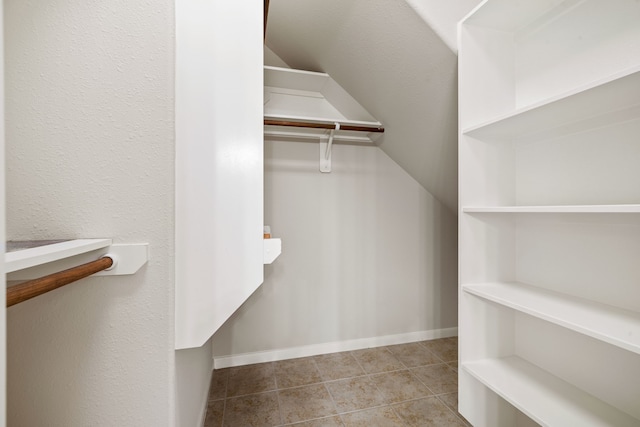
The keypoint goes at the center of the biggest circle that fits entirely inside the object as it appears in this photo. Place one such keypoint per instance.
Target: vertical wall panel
(219, 159)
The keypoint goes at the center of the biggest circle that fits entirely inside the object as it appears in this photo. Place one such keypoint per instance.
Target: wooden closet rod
(291, 123)
(266, 15)
(32, 288)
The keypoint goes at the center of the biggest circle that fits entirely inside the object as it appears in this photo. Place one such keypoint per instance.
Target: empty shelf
(610, 324)
(32, 256)
(602, 102)
(272, 250)
(543, 397)
(554, 209)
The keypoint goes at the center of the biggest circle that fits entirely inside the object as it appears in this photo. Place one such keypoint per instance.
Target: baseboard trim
(332, 347)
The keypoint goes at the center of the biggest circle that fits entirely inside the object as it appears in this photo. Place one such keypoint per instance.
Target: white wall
(394, 64)
(90, 149)
(367, 252)
(443, 16)
(193, 376)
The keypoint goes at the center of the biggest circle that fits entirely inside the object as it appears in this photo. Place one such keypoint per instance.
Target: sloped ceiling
(390, 60)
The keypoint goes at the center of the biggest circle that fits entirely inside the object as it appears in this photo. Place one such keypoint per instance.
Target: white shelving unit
(549, 231)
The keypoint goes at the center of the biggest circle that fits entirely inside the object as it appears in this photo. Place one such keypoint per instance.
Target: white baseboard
(331, 347)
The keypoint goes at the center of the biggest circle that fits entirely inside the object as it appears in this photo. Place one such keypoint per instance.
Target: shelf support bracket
(325, 151)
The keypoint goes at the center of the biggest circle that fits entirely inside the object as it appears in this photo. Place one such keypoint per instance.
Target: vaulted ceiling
(393, 62)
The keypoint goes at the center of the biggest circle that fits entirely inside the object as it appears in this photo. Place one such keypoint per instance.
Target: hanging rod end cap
(114, 259)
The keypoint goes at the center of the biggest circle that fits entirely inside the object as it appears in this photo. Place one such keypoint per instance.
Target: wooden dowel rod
(266, 15)
(32, 288)
(270, 122)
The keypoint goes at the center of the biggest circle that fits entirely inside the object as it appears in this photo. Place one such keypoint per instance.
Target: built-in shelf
(543, 397)
(610, 324)
(549, 117)
(310, 97)
(33, 254)
(272, 250)
(554, 209)
(606, 101)
(33, 259)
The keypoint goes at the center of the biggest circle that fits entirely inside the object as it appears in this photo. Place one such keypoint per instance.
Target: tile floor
(401, 385)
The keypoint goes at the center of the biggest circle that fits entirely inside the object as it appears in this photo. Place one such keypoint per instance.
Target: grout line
(456, 414)
(226, 391)
(279, 405)
(333, 401)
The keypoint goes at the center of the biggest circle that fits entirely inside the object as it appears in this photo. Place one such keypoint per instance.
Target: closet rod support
(325, 150)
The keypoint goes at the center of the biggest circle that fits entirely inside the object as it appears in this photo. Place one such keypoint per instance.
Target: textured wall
(366, 252)
(90, 154)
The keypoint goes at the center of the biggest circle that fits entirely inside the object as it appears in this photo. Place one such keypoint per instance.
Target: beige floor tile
(218, 386)
(338, 366)
(399, 386)
(305, 403)
(445, 348)
(253, 411)
(322, 422)
(251, 379)
(427, 412)
(453, 365)
(354, 393)
(414, 354)
(296, 372)
(376, 360)
(215, 411)
(451, 400)
(439, 378)
(376, 417)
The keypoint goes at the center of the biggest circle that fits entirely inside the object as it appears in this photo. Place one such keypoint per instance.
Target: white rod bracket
(127, 258)
(325, 151)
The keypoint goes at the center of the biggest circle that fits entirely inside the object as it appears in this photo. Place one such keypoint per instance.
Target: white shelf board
(543, 397)
(610, 324)
(554, 209)
(308, 119)
(38, 255)
(296, 95)
(294, 79)
(604, 101)
(272, 250)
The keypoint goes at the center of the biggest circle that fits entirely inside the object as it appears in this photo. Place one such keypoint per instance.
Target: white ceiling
(390, 60)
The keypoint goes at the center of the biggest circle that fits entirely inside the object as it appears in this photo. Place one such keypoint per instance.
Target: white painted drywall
(393, 63)
(273, 60)
(366, 252)
(90, 153)
(193, 375)
(3, 312)
(443, 16)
